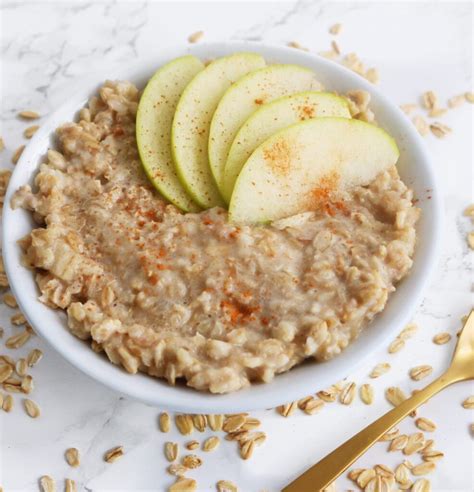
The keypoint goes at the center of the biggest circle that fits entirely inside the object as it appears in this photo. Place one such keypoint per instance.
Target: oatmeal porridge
(192, 296)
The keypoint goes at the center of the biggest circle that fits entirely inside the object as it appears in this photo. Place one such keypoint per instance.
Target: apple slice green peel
(273, 117)
(190, 128)
(153, 127)
(281, 176)
(243, 98)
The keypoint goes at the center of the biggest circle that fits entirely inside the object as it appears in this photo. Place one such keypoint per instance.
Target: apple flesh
(246, 96)
(153, 127)
(270, 119)
(283, 175)
(192, 119)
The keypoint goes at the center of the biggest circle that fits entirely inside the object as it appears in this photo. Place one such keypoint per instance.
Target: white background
(47, 47)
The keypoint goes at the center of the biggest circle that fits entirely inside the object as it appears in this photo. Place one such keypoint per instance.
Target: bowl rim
(187, 399)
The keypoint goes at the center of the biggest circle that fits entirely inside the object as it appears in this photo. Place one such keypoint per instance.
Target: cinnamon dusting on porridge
(192, 296)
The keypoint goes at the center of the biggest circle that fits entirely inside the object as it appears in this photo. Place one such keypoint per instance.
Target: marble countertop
(48, 46)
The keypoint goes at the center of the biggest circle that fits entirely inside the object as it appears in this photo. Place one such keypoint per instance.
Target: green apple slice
(287, 173)
(190, 128)
(245, 97)
(153, 128)
(270, 119)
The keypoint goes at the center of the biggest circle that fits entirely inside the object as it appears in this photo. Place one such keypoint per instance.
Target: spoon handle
(329, 468)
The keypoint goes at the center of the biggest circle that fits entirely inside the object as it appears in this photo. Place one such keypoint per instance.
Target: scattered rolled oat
(402, 474)
(183, 484)
(423, 468)
(328, 395)
(432, 455)
(298, 46)
(390, 435)
(335, 47)
(177, 470)
(288, 409)
(367, 394)
(408, 108)
(5, 372)
(10, 300)
(383, 471)
(395, 395)
(396, 346)
(28, 114)
(330, 55)
(184, 423)
(114, 454)
(192, 445)
(468, 403)
(421, 485)
(425, 424)
(18, 319)
(199, 422)
(171, 451)
(226, 486)
(72, 457)
(420, 372)
(191, 461)
(215, 422)
(469, 97)
(246, 449)
(251, 423)
(364, 477)
(372, 75)
(195, 37)
(313, 406)
(30, 131)
(31, 408)
(440, 130)
(211, 443)
(348, 393)
(380, 369)
(335, 29)
(430, 100)
(233, 423)
(436, 112)
(18, 340)
(47, 484)
(456, 101)
(415, 443)
(408, 331)
(470, 240)
(17, 154)
(421, 125)
(70, 485)
(2, 144)
(442, 338)
(398, 443)
(21, 367)
(7, 404)
(27, 384)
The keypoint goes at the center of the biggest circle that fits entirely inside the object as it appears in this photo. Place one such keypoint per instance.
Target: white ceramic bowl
(414, 166)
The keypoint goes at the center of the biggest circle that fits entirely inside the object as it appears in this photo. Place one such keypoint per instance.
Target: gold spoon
(329, 468)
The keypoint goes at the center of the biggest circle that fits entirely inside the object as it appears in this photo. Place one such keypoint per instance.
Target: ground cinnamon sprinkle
(306, 112)
(238, 312)
(323, 197)
(278, 157)
(258, 101)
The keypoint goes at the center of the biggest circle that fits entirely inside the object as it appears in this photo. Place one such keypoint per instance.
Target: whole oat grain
(47, 484)
(442, 338)
(420, 372)
(114, 454)
(379, 370)
(31, 408)
(367, 394)
(211, 444)
(425, 424)
(195, 37)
